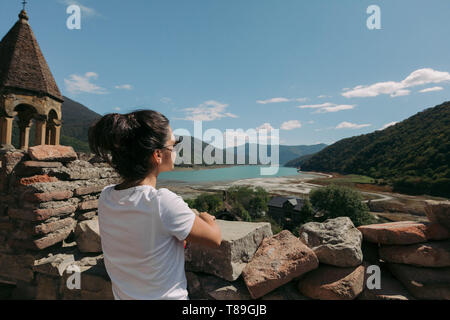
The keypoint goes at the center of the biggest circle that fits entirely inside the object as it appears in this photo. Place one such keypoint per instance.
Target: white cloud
(327, 107)
(265, 126)
(82, 84)
(317, 106)
(336, 108)
(388, 125)
(234, 138)
(208, 111)
(116, 109)
(124, 87)
(278, 100)
(400, 93)
(85, 11)
(396, 89)
(273, 100)
(431, 89)
(290, 125)
(166, 100)
(349, 125)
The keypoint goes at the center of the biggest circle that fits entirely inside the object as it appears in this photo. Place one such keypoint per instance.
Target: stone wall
(47, 194)
(49, 225)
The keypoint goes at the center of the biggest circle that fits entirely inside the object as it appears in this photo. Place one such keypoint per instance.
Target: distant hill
(285, 153)
(77, 119)
(414, 155)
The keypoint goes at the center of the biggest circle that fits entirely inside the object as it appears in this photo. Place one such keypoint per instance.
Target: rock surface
(429, 254)
(423, 283)
(390, 288)
(240, 240)
(333, 283)
(438, 212)
(404, 232)
(335, 242)
(87, 235)
(52, 153)
(289, 291)
(278, 260)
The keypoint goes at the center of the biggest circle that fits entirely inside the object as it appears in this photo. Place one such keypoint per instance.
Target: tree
(253, 200)
(211, 203)
(337, 201)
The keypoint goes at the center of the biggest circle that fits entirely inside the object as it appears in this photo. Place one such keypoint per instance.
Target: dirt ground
(383, 203)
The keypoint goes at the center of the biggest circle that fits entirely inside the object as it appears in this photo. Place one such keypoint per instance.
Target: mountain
(413, 155)
(285, 153)
(77, 118)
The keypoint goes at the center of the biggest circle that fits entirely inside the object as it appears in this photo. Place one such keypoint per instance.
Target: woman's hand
(206, 217)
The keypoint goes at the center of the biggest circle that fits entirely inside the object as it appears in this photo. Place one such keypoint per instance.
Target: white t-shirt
(142, 230)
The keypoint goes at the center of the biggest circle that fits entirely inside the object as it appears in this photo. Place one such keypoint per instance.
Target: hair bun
(132, 119)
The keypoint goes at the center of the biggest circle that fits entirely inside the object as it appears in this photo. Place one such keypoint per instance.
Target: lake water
(225, 174)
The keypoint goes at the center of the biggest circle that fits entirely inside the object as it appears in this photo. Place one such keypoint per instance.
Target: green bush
(254, 200)
(337, 201)
(239, 210)
(211, 203)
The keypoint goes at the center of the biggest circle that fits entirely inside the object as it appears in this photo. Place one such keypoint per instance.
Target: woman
(142, 228)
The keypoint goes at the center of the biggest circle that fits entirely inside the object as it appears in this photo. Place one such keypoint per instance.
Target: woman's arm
(205, 231)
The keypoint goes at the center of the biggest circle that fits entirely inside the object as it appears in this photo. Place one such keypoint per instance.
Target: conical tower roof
(22, 64)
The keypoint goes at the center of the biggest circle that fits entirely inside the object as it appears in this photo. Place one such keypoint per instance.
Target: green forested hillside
(413, 155)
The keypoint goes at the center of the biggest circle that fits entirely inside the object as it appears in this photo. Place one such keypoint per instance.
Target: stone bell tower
(28, 90)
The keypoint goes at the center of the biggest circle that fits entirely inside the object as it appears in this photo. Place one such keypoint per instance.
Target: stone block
(428, 254)
(53, 265)
(87, 235)
(404, 232)
(277, 261)
(333, 283)
(52, 153)
(438, 212)
(240, 240)
(423, 283)
(336, 241)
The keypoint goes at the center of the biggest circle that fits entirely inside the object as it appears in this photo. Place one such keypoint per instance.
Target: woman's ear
(157, 156)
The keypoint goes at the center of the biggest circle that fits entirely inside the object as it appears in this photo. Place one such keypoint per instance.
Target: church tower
(28, 90)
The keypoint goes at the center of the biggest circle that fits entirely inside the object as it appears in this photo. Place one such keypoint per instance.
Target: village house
(286, 211)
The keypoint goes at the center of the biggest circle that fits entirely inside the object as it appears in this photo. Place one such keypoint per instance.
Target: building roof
(22, 64)
(278, 202)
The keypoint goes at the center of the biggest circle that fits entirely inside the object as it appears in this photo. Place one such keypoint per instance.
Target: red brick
(88, 205)
(41, 164)
(37, 179)
(44, 242)
(404, 232)
(87, 190)
(52, 153)
(277, 261)
(48, 196)
(46, 228)
(333, 283)
(39, 214)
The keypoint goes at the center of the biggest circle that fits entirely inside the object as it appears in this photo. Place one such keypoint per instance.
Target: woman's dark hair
(131, 140)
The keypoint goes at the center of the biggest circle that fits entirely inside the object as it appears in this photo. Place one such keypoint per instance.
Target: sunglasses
(177, 142)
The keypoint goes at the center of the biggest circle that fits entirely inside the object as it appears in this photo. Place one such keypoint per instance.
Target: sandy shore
(289, 185)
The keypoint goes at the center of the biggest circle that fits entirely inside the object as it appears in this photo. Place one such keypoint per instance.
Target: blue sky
(309, 68)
